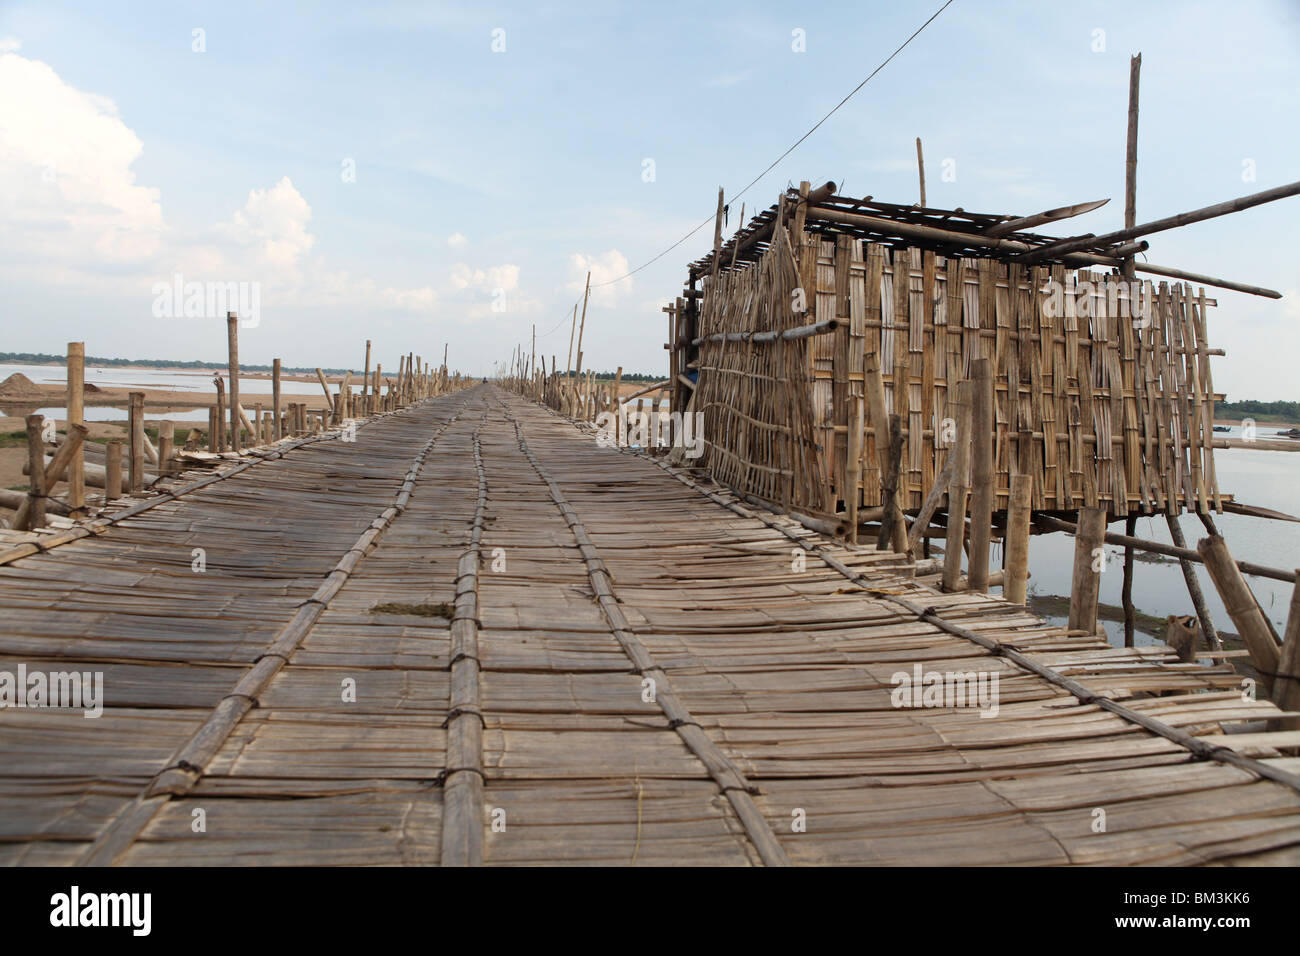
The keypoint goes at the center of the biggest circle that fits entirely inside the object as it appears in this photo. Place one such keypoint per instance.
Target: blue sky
(487, 177)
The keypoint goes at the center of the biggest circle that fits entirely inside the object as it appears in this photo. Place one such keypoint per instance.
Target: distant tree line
(632, 376)
(41, 358)
(1267, 411)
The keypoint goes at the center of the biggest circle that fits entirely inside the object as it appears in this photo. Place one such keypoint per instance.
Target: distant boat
(1223, 428)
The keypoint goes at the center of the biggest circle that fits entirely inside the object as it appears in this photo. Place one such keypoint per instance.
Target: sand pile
(18, 384)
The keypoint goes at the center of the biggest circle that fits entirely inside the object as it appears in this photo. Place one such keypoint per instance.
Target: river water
(197, 381)
(1269, 479)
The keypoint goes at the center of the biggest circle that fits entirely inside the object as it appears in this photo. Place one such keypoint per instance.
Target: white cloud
(76, 219)
(414, 300)
(494, 277)
(455, 240)
(275, 220)
(67, 192)
(604, 267)
(10, 44)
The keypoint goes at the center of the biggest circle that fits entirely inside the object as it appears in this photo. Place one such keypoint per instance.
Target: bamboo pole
(76, 416)
(1007, 226)
(137, 441)
(909, 230)
(1286, 686)
(958, 489)
(892, 514)
(853, 478)
(582, 327)
(981, 504)
(1130, 165)
(221, 412)
(113, 471)
(1064, 246)
(1016, 578)
(920, 168)
(36, 480)
(329, 398)
(1208, 630)
(69, 448)
(1085, 584)
(1172, 550)
(365, 384)
(275, 399)
(931, 502)
(1242, 607)
(167, 445)
(1130, 614)
(232, 335)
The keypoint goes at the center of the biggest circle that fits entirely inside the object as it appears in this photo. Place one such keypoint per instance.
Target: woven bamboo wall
(1102, 410)
(757, 399)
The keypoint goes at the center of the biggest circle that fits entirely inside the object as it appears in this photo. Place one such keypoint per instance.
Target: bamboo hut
(825, 315)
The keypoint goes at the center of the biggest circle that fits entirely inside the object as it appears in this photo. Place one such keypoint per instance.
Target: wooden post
(76, 416)
(958, 489)
(376, 394)
(259, 436)
(112, 471)
(875, 388)
(166, 446)
(1242, 607)
(275, 397)
(1131, 157)
(920, 166)
(329, 399)
(891, 519)
(36, 484)
(365, 384)
(1086, 583)
(1286, 686)
(136, 421)
(1015, 581)
(981, 506)
(221, 417)
(232, 335)
(853, 482)
(1208, 630)
(213, 412)
(577, 371)
(1126, 596)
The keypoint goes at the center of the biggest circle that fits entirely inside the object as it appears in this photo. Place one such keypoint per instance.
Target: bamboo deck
(519, 732)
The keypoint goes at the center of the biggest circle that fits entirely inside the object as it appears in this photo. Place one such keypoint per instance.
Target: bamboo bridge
(469, 634)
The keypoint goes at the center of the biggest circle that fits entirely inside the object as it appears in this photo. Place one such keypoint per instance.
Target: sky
(421, 174)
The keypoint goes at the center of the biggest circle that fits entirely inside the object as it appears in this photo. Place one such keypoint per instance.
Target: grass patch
(444, 610)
